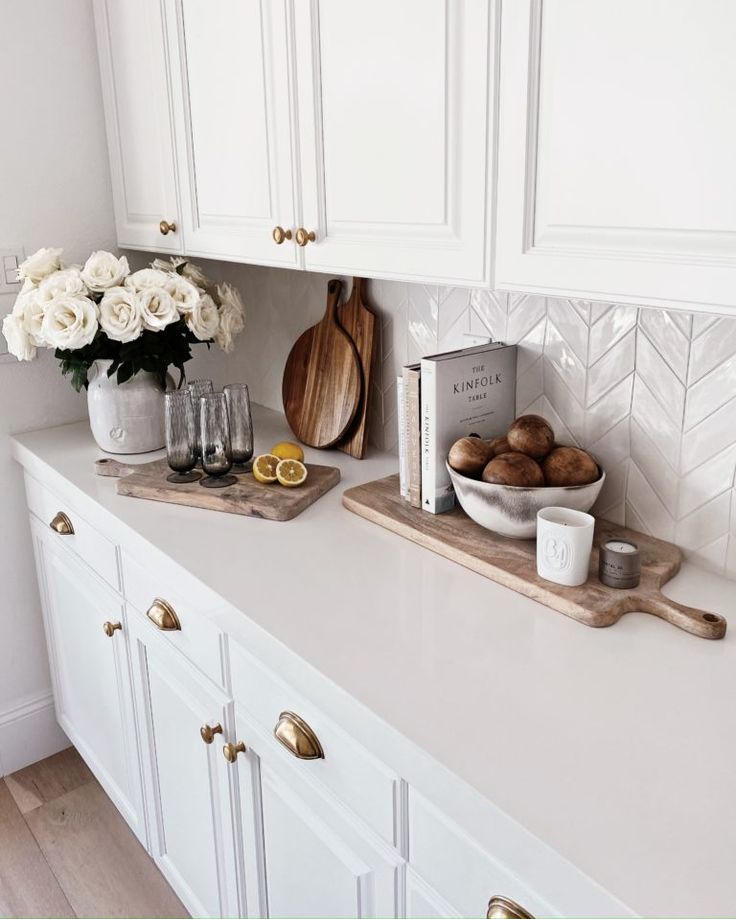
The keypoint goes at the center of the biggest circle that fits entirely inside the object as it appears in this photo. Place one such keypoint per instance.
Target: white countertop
(616, 746)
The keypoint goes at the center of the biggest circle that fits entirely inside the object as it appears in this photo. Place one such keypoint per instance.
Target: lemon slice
(291, 472)
(264, 468)
(288, 450)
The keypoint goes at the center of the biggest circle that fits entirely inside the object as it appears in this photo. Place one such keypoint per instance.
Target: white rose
(157, 308)
(232, 316)
(204, 320)
(103, 270)
(146, 277)
(120, 317)
(194, 273)
(184, 293)
(66, 281)
(37, 266)
(70, 322)
(19, 341)
(29, 309)
(166, 264)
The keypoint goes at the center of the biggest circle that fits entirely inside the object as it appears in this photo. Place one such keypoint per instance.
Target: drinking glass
(217, 456)
(180, 451)
(198, 388)
(241, 425)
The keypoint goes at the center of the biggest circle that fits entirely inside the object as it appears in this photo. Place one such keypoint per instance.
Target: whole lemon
(288, 450)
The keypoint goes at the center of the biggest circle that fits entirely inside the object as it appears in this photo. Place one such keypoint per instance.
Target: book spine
(429, 436)
(413, 425)
(403, 451)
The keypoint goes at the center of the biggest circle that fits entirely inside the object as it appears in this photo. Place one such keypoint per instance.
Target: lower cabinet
(306, 854)
(183, 721)
(86, 628)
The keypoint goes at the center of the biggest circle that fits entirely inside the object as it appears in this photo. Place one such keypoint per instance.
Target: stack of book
(445, 397)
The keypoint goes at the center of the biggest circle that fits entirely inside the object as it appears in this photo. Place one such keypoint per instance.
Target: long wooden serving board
(512, 562)
(246, 497)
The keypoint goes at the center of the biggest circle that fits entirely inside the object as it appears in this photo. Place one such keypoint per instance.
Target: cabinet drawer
(348, 770)
(198, 639)
(86, 541)
(452, 863)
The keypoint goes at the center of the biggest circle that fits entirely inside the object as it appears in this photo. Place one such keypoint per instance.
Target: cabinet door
(232, 106)
(90, 670)
(132, 47)
(616, 176)
(304, 854)
(396, 126)
(186, 783)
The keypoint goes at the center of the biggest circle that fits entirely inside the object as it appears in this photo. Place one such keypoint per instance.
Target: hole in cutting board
(710, 617)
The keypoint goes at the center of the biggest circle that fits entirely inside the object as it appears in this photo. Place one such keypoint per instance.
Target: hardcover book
(471, 391)
(412, 398)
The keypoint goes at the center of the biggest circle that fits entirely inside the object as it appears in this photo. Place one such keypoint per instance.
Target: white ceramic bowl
(512, 511)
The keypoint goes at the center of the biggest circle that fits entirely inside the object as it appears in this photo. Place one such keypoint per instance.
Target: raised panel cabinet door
(232, 96)
(86, 633)
(396, 127)
(615, 170)
(134, 65)
(185, 778)
(304, 853)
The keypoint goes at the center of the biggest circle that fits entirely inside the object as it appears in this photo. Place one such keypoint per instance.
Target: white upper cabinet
(616, 176)
(395, 135)
(132, 46)
(231, 83)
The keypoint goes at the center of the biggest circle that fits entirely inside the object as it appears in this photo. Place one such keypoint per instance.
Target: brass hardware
(302, 237)
(109, 628)
(162, 615)
(230, 750)
(165, 227)
(208, 733)
(298, 738)
(62, 524)
(280, 234)
(504, 908)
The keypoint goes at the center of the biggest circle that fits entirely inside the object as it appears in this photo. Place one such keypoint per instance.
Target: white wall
(54, 191)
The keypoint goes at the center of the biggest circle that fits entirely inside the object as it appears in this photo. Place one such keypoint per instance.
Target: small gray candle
(619, 563)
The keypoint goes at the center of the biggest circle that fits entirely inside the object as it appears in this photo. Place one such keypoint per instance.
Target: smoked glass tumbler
(217, 456)
(241, 425)
(180, 450)
(198, 388)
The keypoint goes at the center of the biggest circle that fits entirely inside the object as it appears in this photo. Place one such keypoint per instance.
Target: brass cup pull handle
(207, 732)
(298, 738)
(230, 750)
(279, 234)
(165, 227)
(303, 237)
(505, 908)
(109, 628)
(163, 616)
(62, 525)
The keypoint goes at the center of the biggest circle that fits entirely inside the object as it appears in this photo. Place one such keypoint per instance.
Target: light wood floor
(66, 851)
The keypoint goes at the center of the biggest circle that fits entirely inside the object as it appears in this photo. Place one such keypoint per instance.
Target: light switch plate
(9, 261)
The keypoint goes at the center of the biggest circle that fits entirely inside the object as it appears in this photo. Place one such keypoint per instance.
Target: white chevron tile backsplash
(651, 393)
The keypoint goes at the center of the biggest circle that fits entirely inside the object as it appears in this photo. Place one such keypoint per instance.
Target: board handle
(696, 621)
(334, 289)
(113, 468)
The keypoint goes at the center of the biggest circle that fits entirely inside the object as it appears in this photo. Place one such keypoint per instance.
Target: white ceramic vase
(126, 417)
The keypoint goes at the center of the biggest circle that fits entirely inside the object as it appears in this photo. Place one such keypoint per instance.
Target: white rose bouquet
(145, 320)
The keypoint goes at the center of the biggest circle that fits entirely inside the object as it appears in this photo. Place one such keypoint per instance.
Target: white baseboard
(29, 732)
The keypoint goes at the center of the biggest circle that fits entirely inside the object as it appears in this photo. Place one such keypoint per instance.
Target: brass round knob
(230, 750)
(109, 628)
(505, 908)
(279, 234)
(303, 237)
(208, 732)
(165, 227)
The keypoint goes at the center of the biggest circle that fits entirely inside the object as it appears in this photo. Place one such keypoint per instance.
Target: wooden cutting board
(322, 380)
(360, 324)
(247, 497)
(512, 562)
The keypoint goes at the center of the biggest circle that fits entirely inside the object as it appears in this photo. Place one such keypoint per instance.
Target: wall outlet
(470, 340)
